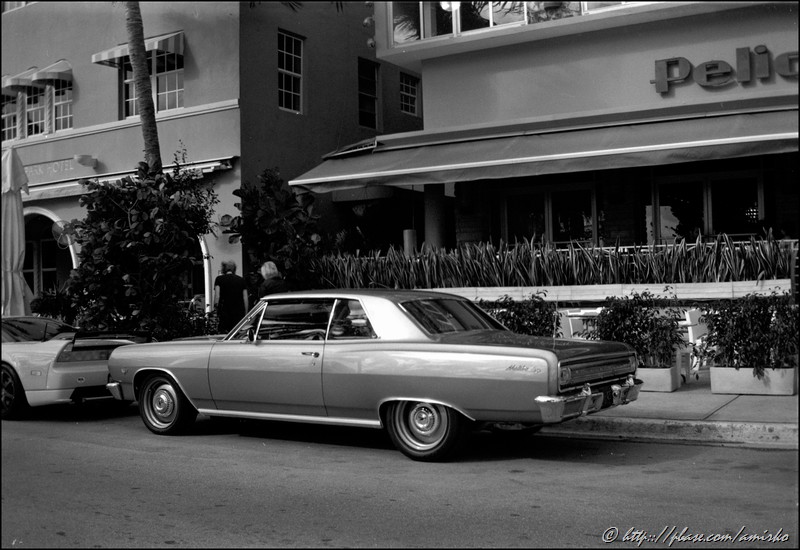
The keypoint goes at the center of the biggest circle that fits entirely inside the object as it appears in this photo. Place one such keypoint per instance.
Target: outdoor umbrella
(16, 294)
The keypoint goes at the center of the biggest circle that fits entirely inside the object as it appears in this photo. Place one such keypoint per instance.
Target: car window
(250, 320)
(350, 322)
(438, 316)
(33, 329)
(301, 319)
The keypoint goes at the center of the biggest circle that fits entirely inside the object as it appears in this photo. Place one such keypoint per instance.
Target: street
(94, 476)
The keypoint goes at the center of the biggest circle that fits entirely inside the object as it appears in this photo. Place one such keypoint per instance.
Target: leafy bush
(135, 244)
(754, 331)
(533, 316)
(646, 322)
(278, 225)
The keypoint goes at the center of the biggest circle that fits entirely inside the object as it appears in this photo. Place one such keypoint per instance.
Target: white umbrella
(17, 295)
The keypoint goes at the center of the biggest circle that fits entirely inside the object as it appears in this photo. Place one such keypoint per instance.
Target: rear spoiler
(139, 337)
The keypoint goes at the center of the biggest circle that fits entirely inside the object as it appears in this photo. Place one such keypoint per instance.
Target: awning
(169, 43)
(445, 157)
(60, 71)
(21, 80)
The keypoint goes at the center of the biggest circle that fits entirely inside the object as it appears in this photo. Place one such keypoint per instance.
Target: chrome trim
(339, 421)
(115, 389)
(553, 409)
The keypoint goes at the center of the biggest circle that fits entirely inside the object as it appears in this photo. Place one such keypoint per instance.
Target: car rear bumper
(560, 408)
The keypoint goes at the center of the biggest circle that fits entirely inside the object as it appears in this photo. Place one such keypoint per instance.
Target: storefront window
(734, 208)
(680, 213)
(572, 216)
(526, 218)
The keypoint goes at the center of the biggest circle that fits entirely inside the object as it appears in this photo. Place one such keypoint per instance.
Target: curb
(779, 436)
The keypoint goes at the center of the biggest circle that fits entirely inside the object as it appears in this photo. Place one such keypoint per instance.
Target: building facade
(602, 123)
(238, 87)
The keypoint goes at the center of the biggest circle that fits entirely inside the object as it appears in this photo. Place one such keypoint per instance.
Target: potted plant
(649, 324)
(752, 345)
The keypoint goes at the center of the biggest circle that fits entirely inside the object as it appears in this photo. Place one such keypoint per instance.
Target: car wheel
(425, 431)
(163, 407)
(13, 398)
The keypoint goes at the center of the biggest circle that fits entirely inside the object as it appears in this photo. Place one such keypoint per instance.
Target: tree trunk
(144, 90)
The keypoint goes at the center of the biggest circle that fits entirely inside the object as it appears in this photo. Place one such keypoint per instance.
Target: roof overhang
(446, 157)
(60, 71)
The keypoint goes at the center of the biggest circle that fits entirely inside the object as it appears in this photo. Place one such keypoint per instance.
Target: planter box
(661, 380)
(732, 381)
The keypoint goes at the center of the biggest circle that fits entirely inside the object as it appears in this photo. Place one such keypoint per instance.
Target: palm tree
(144, 90)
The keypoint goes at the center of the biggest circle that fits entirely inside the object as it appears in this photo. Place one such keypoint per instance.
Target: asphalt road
(96, 477)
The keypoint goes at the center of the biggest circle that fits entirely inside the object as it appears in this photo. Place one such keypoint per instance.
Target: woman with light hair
(273, 280)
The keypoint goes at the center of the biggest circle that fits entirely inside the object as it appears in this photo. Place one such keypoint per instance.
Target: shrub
(533, 316)
(646, 322)
(754, 331)
(136, 242)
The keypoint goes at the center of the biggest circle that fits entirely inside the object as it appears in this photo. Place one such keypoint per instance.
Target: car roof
(394, 295)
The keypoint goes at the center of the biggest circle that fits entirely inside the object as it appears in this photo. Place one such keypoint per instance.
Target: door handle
(311, 353)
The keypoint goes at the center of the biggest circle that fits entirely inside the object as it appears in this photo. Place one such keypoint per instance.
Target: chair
(575, 327)
(695, 333)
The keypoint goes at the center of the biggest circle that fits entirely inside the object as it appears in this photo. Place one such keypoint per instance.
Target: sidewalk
(692, 414)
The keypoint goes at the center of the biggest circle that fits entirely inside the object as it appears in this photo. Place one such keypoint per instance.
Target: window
(350, 321)
(367, 93)
(9, 117)
(62, 105)
(692, 207)
(439, 316)
(412, 21)
(554, 215)
(166, 78)
(409, 86)
(35, 112)
(295, 320)
(290, 72)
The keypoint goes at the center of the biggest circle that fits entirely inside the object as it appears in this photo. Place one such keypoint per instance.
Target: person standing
(273, 280)
(230, 297)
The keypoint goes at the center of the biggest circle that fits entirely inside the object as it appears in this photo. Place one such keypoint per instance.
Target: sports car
(427, 366)
(45, 361)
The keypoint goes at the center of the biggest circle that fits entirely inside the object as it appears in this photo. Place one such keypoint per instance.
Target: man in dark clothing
(230, 297)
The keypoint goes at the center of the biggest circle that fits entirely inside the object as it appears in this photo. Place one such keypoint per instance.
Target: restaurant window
(705, 206)
(367, 93)
(166, 79)
(409, 94)
(290, 72)
(553, 215)
(9, 117)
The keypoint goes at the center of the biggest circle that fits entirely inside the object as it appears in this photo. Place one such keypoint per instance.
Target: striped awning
(21, 80)
(58, 71)
(169, 43)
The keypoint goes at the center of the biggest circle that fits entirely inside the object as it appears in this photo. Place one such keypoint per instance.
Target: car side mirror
(251, 334)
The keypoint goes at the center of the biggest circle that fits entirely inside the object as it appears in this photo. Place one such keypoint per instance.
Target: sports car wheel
(425, 431)
(163, 407)
(13, 398)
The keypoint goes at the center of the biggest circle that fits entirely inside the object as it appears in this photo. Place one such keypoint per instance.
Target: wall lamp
(85, 160)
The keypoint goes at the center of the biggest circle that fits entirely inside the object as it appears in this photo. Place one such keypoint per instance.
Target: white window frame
(10, 113)
(130, 107)
(290, 70)
(409, 94)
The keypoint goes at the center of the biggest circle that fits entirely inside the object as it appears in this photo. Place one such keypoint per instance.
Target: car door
(277, 369)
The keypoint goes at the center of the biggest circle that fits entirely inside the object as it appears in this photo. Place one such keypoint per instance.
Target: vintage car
(45, 362)
(425, 365)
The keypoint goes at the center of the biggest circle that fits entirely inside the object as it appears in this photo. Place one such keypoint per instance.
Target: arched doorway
(48, 260)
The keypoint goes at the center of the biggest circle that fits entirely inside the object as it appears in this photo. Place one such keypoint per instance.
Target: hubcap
(420, 426)
(163, 403)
